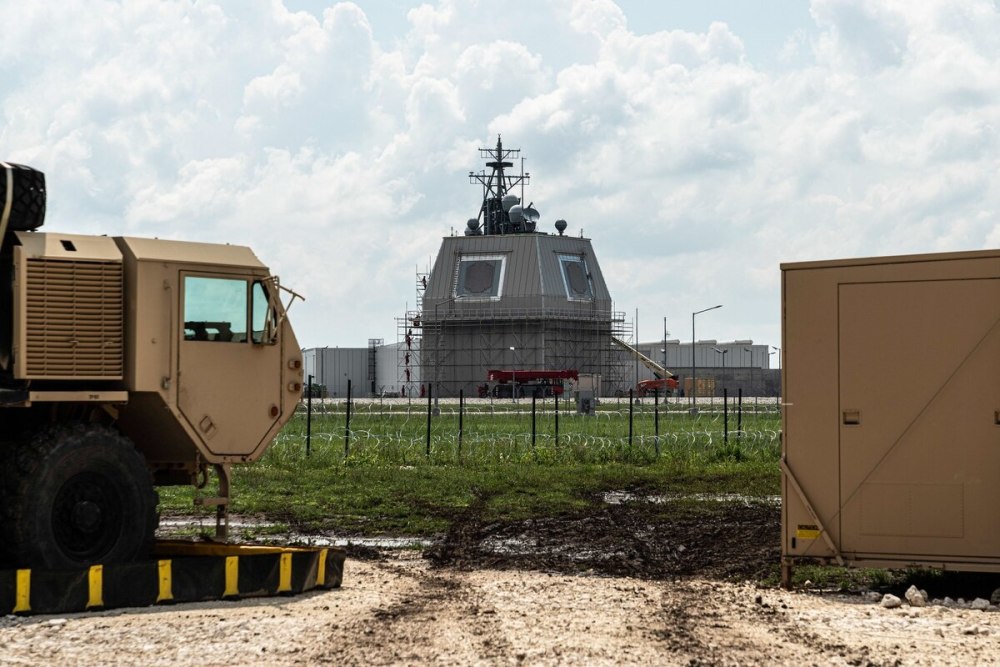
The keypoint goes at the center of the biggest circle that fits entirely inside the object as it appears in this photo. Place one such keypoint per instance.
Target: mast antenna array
(501, 211)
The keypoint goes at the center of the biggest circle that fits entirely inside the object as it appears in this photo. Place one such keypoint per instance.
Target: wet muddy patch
(659, 539)
(656, 536)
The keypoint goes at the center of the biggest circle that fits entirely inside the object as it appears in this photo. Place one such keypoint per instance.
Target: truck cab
(127, 363)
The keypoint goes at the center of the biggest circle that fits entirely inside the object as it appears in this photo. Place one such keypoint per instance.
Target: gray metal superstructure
(512, 298)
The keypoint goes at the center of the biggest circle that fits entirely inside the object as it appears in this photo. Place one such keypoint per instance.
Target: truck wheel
(77, 495)
(27, 196)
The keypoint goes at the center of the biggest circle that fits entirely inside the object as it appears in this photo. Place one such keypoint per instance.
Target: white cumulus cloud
(340, 151)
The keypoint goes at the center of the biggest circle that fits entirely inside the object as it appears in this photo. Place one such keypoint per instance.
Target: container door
(919, 432)
(229, 378)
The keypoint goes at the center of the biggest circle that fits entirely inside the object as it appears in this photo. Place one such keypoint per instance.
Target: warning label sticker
(806, 531)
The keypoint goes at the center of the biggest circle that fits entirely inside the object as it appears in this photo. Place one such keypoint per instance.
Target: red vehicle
(539, 383)
(664, 381)
(666, 386)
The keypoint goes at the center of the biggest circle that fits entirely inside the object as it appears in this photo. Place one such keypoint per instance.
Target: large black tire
(27, 196)
(76, 495)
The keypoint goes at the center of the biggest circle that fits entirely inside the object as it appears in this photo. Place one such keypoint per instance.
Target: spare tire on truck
(22, 197)
(76, 495)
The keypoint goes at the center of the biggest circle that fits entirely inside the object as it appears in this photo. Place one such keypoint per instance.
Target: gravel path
(401, 610)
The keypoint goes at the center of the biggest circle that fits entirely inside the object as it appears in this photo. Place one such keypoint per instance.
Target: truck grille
(73, 320)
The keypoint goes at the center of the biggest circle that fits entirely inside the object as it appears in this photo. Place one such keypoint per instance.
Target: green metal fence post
(347, 424)
(430, 390)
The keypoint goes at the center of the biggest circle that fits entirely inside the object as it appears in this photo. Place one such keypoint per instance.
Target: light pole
(723, 353)
(636, 330)
(513, 377)
(750, 350)
(694, 366)
(778, 350)
(664, 350)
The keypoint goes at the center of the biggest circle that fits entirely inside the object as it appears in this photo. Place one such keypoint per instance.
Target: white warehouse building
(372, 371)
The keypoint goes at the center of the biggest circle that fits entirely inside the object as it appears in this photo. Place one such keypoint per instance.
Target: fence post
(430, 391)
(725, 415)
(739, 412)
(630, 409)
(347, 425)
(656, 420)
(557, 421)
(309, 416)
(534, 400)
(461, 416)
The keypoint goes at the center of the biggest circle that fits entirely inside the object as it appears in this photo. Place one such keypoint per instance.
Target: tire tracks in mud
(642, 539)
(706, 623)
(434, 616)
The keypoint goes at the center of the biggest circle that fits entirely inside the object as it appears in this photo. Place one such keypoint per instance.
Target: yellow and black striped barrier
(180, 572)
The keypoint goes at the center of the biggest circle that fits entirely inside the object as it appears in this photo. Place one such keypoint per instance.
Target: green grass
(502, 432)
(387, 484)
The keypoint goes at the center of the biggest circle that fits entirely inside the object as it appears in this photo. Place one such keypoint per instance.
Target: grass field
(384, 480)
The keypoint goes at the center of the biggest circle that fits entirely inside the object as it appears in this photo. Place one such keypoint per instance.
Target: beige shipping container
(891, 420)
(706, 387)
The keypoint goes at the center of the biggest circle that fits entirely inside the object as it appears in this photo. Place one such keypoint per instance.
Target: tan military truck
(126, 363)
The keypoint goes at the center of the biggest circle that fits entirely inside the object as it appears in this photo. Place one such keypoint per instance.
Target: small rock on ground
(890, 601)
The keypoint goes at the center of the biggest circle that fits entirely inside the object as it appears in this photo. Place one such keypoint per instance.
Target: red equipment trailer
(540, 383)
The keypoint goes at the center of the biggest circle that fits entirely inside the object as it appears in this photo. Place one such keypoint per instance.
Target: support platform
(180, 571)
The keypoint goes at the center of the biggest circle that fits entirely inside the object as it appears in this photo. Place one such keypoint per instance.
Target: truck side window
(263, 325)
(215, 309)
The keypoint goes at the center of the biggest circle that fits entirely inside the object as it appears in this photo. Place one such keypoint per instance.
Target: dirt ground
(646, 583)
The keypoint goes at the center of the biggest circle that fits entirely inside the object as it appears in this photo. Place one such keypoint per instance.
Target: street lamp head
(705, 310)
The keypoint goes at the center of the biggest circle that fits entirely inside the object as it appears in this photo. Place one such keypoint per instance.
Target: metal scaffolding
(453, 350)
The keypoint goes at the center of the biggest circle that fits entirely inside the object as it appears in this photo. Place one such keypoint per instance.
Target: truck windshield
(215, 309)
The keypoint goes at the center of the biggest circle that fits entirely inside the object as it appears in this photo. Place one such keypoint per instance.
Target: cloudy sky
(699, 144)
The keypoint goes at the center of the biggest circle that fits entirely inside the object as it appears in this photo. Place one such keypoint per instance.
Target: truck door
(919, 427)
(223, 354)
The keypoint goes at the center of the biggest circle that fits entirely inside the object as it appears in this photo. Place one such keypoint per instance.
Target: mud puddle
(624, 533)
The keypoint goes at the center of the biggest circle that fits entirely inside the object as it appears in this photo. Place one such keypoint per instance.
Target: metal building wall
(333, 367)
(678, 356)
(390, 378)
(457, 355)
(746, 365)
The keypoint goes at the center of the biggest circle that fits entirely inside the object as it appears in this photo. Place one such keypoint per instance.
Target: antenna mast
(501, 212)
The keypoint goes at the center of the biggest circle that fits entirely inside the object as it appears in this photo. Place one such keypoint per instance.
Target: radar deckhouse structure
(505, 295)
